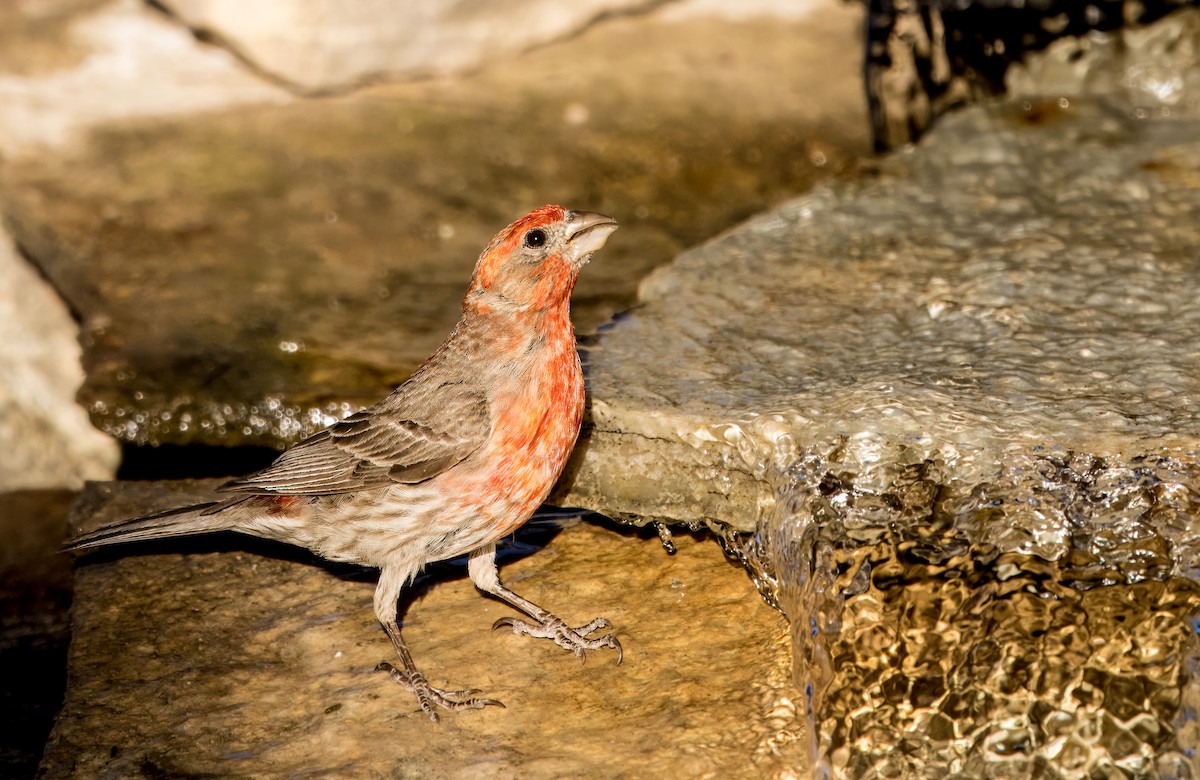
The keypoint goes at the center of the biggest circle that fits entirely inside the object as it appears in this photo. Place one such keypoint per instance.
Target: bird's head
(532, 264)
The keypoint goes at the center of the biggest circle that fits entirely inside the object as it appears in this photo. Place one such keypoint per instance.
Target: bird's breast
(541, 411)
(537, 419)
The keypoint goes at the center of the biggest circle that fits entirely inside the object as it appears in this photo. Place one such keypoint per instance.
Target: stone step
(224, 657)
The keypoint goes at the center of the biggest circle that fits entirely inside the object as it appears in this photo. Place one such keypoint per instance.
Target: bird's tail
(184, 521)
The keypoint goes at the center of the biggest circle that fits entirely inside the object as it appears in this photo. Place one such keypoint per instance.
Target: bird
(455, 458)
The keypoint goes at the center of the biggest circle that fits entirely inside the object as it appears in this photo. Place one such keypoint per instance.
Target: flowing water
(1037, 619)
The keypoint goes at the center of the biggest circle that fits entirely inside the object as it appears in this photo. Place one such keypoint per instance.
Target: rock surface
(66, 66)
(1025, 278)
(220, 657)
(327, 244)
(69, 65)
(35, 593)
(954, 401)
(319, 46)
(48, 440)
(681, 125)
(1153, 69)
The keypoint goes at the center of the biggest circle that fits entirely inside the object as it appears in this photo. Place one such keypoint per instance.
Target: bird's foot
(430, 697)
(574, 639)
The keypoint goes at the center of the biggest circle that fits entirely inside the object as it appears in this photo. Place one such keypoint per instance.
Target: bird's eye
(535, 238)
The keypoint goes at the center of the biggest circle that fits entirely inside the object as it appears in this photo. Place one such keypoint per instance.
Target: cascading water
(954, 616)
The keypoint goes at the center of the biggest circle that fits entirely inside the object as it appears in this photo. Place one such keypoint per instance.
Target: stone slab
(225, 657)
(1024, 279)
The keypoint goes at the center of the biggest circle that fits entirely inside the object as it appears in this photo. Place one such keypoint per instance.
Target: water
(1037, 619)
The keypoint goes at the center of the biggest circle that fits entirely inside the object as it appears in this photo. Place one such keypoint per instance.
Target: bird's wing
(416, 433)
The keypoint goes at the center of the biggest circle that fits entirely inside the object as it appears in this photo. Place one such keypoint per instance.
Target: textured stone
(318, 45)
(65, 66)
(1153, 69)
(1025, 279)
(227, 657)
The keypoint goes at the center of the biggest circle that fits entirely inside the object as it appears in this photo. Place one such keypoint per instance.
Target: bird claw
(574, 639)
(430, 697)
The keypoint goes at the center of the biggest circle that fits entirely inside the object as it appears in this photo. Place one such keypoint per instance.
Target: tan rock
(318, 45)
(103, 62)
(1022, 280)
(235, 658)
(48, 440)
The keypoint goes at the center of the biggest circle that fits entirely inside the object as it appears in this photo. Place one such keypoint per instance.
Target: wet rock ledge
(246, 276)
(1025, 279)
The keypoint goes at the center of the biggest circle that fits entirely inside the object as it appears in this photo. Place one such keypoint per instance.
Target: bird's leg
(386, 595)
(482, 568)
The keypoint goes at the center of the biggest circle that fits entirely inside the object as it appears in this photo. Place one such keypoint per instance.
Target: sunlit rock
(226, 657)
(68, 67)
(1153, 69)
(1024, 279)
(48, 441)
(318, 45)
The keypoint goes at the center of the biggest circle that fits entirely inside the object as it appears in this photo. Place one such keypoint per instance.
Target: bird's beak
(586, 232)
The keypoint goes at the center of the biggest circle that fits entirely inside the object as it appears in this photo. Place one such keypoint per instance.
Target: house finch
(455, 458)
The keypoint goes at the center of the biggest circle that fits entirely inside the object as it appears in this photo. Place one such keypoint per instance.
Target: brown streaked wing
(416, 433)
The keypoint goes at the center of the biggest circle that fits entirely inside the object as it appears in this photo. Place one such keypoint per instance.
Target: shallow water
(1041, 622)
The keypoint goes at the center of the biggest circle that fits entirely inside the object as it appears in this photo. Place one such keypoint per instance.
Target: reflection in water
(1039, 622)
